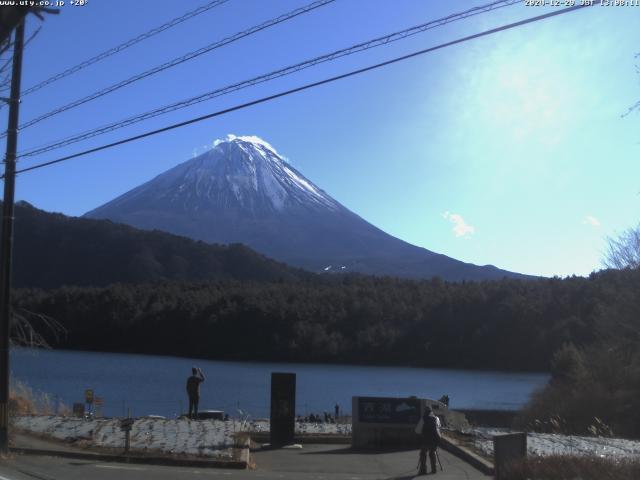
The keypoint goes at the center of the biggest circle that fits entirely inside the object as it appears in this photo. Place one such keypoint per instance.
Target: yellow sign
(88, 395)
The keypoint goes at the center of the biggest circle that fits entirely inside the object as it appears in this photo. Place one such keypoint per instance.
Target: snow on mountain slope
(243, 191)
(244, 172)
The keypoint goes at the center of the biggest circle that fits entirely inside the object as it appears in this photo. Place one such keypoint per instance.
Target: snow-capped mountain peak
(243, 190)
(252, 139)
(239, 172)
(251, 163)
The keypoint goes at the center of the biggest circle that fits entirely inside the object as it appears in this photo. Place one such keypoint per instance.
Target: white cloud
(591, 220)
(229, 138)
(460, 227)
(247, 138)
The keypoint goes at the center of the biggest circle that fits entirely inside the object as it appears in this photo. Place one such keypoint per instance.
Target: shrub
(592, 392)
(21, 400)
(24, 401)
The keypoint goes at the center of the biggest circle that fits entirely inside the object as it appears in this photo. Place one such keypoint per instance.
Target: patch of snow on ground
(553, 444)
(215, 438)
(210, 438)
(308, 428)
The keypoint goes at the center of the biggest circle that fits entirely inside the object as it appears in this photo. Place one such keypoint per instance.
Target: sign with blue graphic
(388, 410)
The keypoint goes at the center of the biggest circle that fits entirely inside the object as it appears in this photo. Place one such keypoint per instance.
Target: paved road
(313, 462)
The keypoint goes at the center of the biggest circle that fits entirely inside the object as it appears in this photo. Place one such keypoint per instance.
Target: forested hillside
(53, 250)
(506, 325)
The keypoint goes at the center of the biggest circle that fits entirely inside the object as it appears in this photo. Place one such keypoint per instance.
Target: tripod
(422, 459)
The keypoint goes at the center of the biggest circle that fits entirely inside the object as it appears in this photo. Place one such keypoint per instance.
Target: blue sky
(508, 150)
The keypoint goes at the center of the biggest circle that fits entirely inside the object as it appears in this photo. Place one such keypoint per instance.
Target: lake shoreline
(294, 362)
(155, 385)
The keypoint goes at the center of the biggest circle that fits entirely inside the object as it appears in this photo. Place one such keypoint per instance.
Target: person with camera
(193, 391)
(429, 440)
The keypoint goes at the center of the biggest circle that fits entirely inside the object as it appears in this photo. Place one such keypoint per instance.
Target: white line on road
(118, 467)
(4, 478)
(125, 467)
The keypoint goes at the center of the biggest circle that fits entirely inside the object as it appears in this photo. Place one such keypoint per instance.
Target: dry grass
(565, 467)
(24, 401)
(21, 400)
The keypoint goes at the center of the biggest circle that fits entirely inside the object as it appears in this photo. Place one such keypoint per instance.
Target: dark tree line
(53, 250)
(505, 325)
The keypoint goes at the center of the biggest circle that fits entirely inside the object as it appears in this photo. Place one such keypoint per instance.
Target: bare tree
(29, 329)
(624, 251)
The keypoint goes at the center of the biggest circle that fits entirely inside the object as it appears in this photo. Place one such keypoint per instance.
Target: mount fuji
(243, 191)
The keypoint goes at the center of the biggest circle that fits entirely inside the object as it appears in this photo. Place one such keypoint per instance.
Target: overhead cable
(177, 61)
(306, 87)
(123, 46)
(376, 42)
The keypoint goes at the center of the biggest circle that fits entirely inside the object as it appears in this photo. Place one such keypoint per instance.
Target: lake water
(156, 385)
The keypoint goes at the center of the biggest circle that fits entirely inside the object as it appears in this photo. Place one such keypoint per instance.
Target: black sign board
(283, 408)
(126, 424)
(389, 410)
(78, 409)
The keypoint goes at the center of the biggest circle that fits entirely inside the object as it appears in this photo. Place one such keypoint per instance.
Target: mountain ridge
(243, 191)
(52, 249)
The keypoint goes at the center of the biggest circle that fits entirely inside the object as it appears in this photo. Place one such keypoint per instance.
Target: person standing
(430, 439)
(193, 391)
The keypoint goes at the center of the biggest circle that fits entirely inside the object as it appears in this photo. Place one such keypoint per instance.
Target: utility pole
(6, 241)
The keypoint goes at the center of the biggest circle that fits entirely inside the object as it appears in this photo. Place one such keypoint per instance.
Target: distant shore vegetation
(585, 331)
(501, 325)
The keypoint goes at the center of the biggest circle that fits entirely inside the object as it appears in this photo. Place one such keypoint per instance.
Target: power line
(125, 45)
(5, 81)
(307, 86)
(376, 42)
(177, 61)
